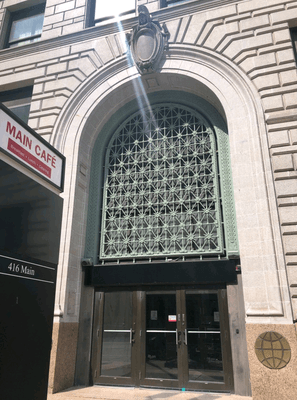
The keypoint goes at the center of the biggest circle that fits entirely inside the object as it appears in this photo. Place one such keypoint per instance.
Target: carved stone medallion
(147, 41)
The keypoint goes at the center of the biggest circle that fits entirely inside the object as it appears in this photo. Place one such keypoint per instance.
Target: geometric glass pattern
(161, 188)
(273, 350)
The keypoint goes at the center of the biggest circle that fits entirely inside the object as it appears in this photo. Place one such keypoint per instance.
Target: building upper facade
(63, 51)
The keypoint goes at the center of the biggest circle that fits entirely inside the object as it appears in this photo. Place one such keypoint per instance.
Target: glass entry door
(207, 351)
(114, 338)
(203, 337)
(160, 356)
(173, 338)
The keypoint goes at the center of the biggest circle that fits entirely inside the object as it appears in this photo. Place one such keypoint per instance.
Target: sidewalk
(124, 393)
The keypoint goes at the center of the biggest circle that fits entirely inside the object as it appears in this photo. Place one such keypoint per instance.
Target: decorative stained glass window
(161, 187)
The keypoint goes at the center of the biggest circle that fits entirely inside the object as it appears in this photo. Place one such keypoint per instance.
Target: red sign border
(41, 140)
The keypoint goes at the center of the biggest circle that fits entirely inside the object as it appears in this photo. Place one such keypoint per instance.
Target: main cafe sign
(20, 142)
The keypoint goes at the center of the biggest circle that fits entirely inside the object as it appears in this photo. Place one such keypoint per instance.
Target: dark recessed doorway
(176, 338)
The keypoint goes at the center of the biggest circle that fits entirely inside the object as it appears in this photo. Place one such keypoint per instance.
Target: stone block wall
(256, 37)
(61, 76)
(63, 17)
(251, 36)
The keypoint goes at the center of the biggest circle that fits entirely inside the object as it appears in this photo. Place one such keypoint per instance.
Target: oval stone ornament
(145, 46)
(273, 350)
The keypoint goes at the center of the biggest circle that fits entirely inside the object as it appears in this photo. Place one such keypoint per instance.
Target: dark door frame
(138, 350)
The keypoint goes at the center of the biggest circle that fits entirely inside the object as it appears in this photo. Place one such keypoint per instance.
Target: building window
(26, 26)
(168, 3)
(161, 187)
(18, 101)
(102, 10)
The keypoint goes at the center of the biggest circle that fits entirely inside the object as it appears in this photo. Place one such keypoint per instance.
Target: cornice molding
(192, 7)
(97, 32)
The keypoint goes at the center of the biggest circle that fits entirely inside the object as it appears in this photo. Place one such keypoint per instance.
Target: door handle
(186, 337)
(178, 337)
(132, 333)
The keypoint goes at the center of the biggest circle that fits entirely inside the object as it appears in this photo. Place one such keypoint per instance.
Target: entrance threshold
(131, 393)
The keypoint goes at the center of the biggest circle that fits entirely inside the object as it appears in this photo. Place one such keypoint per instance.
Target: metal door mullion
(134, 343)
(182, 354)
(97, 335)
(141, 337)
(225, 339)
(100, 332)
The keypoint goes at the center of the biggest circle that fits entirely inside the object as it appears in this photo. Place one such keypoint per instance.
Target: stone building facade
(232, 61)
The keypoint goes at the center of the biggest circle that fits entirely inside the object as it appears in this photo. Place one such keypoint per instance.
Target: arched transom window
(161, 187)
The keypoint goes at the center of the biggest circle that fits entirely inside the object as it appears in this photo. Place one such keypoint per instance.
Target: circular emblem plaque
(273, 350)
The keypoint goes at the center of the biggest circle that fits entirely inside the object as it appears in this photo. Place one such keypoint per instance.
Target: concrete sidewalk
(124, 393)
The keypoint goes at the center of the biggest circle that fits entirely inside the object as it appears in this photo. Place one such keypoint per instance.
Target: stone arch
(219, 81)
(218, 128)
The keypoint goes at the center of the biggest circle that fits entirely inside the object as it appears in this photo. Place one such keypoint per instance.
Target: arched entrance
(94, 113)
(167, 248)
